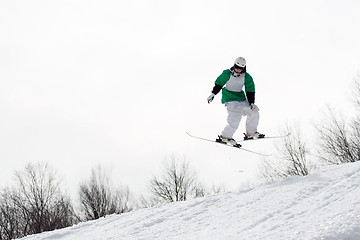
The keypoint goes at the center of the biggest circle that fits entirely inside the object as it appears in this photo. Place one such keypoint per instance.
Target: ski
(238, 146)
(270, 137)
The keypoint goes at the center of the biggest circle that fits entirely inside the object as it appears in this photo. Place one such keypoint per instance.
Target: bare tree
(355, 92)
(35, 204)
(177, 183)
(355, 137)
(199, 190)
(99, 198)
(355, 125)
(338, 139)
(147, 202)
(11, 224)
(293, 157)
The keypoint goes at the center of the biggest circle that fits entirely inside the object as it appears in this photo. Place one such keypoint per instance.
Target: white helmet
(240, 61)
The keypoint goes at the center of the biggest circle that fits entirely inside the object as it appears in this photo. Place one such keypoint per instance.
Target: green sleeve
(223, 78)
(249, 83)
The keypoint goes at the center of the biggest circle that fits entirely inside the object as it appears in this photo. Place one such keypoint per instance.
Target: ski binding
(263, 137)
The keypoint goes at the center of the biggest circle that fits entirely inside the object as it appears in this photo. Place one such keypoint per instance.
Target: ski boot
(228, 141)
(256, 135)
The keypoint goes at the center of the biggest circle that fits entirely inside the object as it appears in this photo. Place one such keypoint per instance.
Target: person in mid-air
(238, 102)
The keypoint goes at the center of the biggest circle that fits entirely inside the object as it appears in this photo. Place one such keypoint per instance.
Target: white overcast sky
(118, 83)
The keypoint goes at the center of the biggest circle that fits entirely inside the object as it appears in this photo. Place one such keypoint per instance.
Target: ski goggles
(238, 67)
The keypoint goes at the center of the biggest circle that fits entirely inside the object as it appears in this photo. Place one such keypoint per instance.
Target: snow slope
(323, 205)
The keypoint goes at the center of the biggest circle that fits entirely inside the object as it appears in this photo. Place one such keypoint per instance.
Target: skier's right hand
(210, 98)
(254, 108)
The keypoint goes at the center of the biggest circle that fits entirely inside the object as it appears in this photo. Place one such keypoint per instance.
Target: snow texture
(324, 205)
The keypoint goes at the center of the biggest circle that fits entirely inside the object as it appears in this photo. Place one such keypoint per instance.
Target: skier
(237, 102)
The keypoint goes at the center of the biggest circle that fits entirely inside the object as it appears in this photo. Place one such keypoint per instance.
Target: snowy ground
(324, 205)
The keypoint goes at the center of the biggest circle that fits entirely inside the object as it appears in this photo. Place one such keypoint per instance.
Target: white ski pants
(235, 111)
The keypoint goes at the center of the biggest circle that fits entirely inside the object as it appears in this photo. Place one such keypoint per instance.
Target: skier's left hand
(210, 98)
(254, 108)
